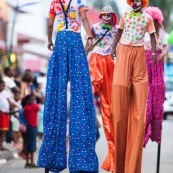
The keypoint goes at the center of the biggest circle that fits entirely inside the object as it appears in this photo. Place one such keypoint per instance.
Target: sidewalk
(9, 153)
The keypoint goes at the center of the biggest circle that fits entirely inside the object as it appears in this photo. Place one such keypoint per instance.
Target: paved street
(149, 156)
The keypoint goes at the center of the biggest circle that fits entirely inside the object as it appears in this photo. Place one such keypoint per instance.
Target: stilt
(158, 158)
(46, 170)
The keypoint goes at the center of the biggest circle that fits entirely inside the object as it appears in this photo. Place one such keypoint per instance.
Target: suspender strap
(101, 37)
(65, 12)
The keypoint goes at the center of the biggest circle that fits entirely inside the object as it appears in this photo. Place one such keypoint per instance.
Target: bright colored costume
(69, 61)
(130, 86)
(101, 69)
(156, 93)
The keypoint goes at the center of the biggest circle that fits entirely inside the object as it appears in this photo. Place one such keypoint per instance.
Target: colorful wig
(109, 10)
(155, 13)
(144, 3)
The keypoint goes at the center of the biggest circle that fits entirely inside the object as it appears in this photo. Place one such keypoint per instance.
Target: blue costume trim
(69, 61)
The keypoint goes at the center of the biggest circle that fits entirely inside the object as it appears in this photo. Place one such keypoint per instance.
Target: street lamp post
(17, 9)
(4, 33)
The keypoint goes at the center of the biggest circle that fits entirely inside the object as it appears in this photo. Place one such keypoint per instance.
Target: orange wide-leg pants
(130, 87)
(101, 70)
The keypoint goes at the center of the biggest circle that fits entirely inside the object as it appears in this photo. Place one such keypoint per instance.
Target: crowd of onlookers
(22, 97)
(21, 111)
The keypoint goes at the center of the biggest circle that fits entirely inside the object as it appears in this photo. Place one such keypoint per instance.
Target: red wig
(144, 3)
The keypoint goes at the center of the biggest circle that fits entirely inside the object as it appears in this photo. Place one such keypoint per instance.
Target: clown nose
(134, 4)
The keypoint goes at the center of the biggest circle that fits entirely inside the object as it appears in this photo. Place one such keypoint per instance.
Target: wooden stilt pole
(158, 158)
(46, 170)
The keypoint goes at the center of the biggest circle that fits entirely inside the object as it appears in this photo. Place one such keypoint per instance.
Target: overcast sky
(122, 5)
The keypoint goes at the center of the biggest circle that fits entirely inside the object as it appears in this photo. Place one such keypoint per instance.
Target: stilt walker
(156, 91)
(69, 62)
(130, 86)
(101, 67)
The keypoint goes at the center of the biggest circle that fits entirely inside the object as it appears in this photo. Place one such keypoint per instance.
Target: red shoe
(22, 155)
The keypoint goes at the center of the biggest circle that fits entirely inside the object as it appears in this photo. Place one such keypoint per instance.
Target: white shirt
(4, 104)
(9, 84)
(104, 47)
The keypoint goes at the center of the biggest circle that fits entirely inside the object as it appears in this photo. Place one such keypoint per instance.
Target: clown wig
(144, 3)
(155, 13)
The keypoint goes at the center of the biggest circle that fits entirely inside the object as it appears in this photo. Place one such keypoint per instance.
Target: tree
(167, 8)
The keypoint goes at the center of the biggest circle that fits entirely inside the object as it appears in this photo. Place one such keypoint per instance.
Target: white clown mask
(136, 5)
(106, 18)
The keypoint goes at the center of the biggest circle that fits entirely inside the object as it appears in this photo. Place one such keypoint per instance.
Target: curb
(6, 156)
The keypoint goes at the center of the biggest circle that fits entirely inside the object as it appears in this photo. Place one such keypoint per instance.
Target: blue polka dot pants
(69, 62)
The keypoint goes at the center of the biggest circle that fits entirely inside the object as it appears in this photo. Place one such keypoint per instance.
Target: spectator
(4, 113)
(40, 119)
(38, 93)
(26, 88)
(22, 128)
(15, 120)
(10, 85)
(30, 113)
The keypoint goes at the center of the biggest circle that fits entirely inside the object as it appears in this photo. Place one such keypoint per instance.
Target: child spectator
(4, 113)
(22, 128)
(30, 113)
(40, 119)
(15, 120)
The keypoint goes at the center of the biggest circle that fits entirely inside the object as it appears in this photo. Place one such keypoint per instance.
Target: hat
(144, 3)
(155, 13)
(109, 10)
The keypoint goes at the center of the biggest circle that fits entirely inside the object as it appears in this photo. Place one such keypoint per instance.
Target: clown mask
(106, 18)
(136, 5)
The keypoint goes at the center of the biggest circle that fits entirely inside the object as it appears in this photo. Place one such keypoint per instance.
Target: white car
(168, 104)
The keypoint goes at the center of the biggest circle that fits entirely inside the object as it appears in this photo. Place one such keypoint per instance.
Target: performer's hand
(154, 59)
(86, 48)
(90, 45)
(50, 45)
(161, 58)
(113, 54)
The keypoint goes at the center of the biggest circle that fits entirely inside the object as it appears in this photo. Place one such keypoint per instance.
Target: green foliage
(170, 38)
(167, 8)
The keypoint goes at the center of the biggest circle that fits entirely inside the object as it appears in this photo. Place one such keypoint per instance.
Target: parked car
(168, 104)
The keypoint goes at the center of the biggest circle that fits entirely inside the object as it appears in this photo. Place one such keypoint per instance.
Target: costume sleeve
(121, 24)
(82, 5)
(164, 40)
(52, 12)
(150, 26)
